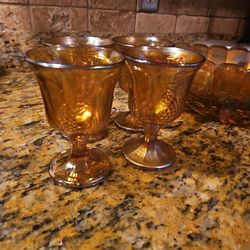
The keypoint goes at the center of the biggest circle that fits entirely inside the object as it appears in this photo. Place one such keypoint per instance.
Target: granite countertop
(200, 203)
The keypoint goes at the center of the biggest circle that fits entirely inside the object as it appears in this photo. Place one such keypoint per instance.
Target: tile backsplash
(24, 23)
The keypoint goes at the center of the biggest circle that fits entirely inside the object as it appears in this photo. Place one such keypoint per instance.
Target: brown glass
(84, 41)
(161, 79)
(221, 87)
(127, 120)
(71, 41)
(77, 86)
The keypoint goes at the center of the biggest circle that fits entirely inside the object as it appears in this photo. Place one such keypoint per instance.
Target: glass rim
(68, 66)
(165, 49)
(103, 41)
(116, 40)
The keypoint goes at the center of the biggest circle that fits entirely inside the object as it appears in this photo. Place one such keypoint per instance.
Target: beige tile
(14, 17)
(113, 4)
(111, 21)
(189, 7)
(79, 3)
(244, 26)
(196, 7)
(104, 4)
(154, 23)
(226, 26)
(169, 6)
(230, 8)
(58, 19)
(127, 5)
(192, 24)
(15, 1)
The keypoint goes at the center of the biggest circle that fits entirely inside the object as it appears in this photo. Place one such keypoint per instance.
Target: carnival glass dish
(221, 87)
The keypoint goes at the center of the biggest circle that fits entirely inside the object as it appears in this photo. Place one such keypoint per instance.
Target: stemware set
(77, 77)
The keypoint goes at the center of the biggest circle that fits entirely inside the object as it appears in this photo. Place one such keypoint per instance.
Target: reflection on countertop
(200, 203)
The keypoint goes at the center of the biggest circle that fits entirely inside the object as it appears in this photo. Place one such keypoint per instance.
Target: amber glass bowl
(221, 87)
(77, 86)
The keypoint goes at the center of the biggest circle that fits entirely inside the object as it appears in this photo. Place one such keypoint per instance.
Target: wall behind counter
(25, 23)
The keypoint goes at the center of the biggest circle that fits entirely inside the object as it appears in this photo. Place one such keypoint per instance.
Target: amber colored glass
(77, 87)
(71, 41)
(161, 79)
(127, 120)
(221, 87)
(84, 41)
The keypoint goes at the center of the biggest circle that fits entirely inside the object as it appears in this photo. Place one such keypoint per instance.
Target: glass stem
(79, 146)
(151, 132)
(131, 98)
(227, 112)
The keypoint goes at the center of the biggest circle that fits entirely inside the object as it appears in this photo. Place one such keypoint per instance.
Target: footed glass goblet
(127, 120)
(77, 86)
(161, 79)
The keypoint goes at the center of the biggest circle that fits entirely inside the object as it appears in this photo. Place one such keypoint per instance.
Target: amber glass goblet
(83, 41)
(161, 79)
(127, 120)
(77, 86)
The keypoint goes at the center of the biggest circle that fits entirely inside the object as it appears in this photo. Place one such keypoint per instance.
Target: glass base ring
(80, 172)
(153, 155)
(126, 121)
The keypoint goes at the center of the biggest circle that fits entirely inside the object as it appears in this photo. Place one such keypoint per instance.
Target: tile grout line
(176, 17)
(88, 31)
(30, 16)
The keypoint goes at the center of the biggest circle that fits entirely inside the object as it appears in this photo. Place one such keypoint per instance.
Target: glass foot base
(155, 155)
(80, 172)
(126, 121)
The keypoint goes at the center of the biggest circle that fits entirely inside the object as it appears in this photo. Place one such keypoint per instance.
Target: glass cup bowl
(127, 120)
(84, 41)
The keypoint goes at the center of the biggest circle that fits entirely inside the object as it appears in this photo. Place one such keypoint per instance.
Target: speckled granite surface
(14, 43)
(201, 203)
